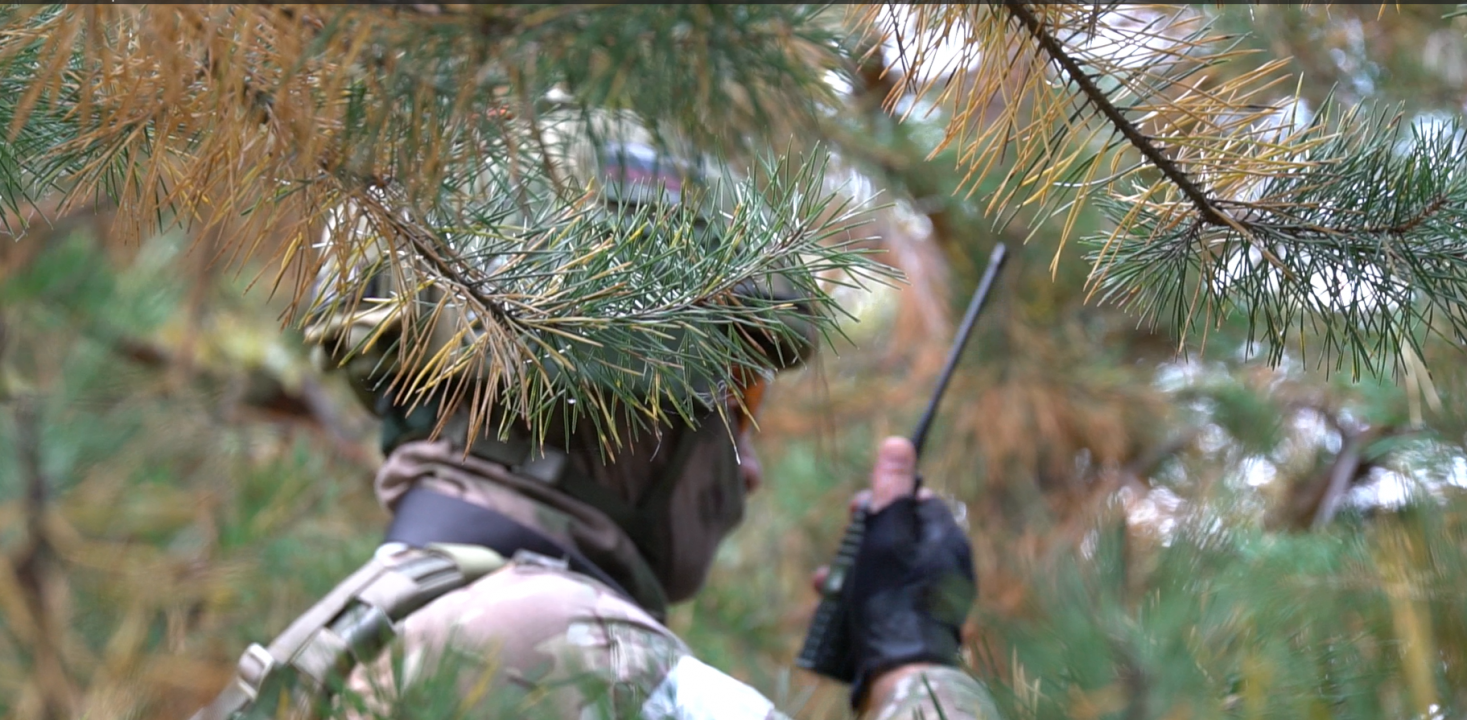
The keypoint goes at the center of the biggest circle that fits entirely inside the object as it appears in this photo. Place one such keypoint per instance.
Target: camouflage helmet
(614, 151)
(609, 152)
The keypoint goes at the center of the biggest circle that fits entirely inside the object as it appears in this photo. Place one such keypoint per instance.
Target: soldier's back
(536, 640)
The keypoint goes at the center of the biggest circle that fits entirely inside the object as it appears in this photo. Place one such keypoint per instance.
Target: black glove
(909, 590)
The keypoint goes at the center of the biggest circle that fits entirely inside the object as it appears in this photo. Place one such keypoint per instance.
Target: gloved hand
(912, 582)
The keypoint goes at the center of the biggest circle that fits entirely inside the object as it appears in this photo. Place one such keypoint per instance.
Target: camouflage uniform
(537, 636)
(563, 644)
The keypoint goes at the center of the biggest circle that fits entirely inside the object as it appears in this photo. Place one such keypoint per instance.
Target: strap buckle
(530, 557)
(255, 666)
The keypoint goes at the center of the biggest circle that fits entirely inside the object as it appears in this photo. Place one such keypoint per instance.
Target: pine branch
(1067, 77)
(1342, 475)
(1147, 146)
(1222, 205)
(1369, 231)
(438, 103)
(577, 303)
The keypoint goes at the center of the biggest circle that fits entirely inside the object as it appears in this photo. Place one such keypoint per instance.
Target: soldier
(535, 579)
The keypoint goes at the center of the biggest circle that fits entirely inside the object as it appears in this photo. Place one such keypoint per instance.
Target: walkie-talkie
(827, 648)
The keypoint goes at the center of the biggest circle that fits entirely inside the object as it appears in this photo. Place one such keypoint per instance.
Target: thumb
(895, 472)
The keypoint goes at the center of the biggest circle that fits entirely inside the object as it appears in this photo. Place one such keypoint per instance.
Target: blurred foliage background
(1164, 528)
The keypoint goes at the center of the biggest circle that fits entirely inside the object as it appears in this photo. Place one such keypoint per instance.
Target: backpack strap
(352, 625)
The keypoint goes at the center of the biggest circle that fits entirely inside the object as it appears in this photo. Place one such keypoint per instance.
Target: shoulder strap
(348, 627)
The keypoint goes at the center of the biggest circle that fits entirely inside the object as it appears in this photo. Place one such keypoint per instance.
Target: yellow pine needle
(1210, 129)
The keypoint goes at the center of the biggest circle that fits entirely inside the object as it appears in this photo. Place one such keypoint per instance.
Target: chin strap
(351, 626)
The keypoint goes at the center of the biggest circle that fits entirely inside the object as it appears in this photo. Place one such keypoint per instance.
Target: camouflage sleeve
(651, 676)
(696, 691)
(939, 692)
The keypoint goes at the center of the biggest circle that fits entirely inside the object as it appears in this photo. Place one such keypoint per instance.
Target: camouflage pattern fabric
(537, 640)
(937, 693)
(550, 643)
